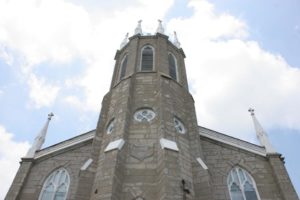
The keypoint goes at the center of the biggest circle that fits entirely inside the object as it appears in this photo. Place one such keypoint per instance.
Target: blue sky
(239, 54)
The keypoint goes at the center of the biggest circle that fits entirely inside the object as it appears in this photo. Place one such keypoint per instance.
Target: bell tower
(147, 144)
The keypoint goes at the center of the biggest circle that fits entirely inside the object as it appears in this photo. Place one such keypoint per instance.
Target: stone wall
(71, 159)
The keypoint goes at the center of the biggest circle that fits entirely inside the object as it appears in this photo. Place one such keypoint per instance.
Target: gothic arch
(123, 66)
(56, 185)
(147, 58)
(173, 66)
(241, 185)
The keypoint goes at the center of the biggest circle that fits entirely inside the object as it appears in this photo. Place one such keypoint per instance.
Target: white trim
(168, 144)
(86, 164)
(203, 165)
(141, 58)
(232, 141)
(117, 144)
(65, 144)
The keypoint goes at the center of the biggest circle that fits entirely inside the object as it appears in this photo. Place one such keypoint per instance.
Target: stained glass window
(56, 186)
(241, 185)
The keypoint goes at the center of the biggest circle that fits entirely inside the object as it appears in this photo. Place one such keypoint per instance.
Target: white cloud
(41, 93)
(230, 73)
(10, 153)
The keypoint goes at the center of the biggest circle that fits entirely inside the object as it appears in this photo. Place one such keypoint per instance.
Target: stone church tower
(147, 144)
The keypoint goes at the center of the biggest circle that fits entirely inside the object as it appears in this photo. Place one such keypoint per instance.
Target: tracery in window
(241, 185)
(147, 59)
(56, 186)
(144, 114)
(172, 66)
(110, 126)
(123, 67)
(179, 126)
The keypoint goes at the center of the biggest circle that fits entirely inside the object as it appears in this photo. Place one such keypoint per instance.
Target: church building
(147, 144)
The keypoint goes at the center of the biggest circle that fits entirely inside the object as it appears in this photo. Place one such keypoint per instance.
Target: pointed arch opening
(56, 185)
(123, 67)
(147, 58)
(173, 71)
(241, 185)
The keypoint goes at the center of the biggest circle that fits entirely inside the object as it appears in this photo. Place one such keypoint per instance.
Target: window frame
(241, 185)
(121, 67)
(181, 124)
(176, 66)
(141, 58)
(140, 110)
(48, 182)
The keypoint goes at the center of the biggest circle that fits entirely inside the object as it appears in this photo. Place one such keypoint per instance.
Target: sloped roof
(226, 139)
(203, 132)
(65, 144)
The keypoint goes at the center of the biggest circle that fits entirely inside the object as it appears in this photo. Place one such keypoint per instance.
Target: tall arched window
(123, 67)
(172, 66)
(241, 185)
(56, 186)
(147, 59)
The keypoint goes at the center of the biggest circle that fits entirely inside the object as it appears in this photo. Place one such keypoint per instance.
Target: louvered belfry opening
(172, 67)
(123, 67)
(147, 59)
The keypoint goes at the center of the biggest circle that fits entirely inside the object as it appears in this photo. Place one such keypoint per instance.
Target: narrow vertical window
(147, 59)
(241, 185)
(56, 186)
(123, 67)
(172, 66)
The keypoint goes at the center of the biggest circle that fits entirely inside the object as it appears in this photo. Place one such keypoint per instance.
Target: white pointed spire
(125, 40)
(176, 42)
(40, 139)
(261, 134)
(160, 28)
(138, 29)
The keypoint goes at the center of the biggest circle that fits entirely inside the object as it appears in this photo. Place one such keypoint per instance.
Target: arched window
(123, 67)
(56, 186)
(147, 59)
(241, 185)
(172, 66)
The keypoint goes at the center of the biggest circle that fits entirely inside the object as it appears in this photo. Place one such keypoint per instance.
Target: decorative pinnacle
(124, 42)
(176, 42)
(50, 115)
(138, 29)
(251, 110)
(160, 28)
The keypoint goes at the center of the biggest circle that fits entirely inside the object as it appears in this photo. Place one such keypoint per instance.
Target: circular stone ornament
(179, 126)
(144, 115)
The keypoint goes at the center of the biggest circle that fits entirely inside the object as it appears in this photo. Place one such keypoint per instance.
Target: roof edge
(65, 144)
(232, 141)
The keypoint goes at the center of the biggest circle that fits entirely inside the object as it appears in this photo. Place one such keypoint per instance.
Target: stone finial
(160, 28)
(261, 134)
(125, 40)
(176, 42)
(138, 29)
(39, 139)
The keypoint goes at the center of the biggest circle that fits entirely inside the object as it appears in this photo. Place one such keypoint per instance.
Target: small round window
(179, 126)
(144, 115)
(110, 126)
